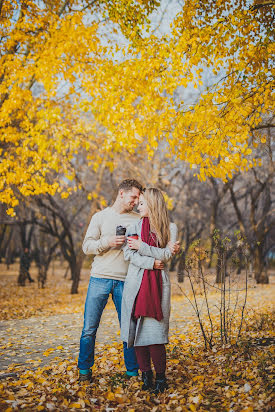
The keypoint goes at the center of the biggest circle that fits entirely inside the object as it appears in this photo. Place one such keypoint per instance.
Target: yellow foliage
(45, 51)
(215, 131)
(61, 86)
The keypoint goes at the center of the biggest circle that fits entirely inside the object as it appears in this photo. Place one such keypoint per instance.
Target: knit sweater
(108, 261)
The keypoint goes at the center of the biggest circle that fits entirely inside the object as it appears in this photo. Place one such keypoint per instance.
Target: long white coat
(146, 331)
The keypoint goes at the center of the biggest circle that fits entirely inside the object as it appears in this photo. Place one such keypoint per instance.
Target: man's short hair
(128, 184)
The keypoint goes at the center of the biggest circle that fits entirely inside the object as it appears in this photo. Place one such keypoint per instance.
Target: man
(108, 272)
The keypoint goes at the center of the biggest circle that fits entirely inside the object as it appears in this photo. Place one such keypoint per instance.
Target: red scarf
(148, 300)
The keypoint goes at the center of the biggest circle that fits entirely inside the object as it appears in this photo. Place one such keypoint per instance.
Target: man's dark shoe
(160, 383)
(84, 377)
(147, 379)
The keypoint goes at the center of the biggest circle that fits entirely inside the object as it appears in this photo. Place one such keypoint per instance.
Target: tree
(46, 50)
(63, 219)
(49, 108)
(58, 222)
(219, 192)
(43, 253)
(6, 235)
(253, 201)
(258, 224)
(215, 134)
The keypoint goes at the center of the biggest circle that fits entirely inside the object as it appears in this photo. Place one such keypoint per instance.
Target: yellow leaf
(121, 398)
(75, 405)
(110, 396)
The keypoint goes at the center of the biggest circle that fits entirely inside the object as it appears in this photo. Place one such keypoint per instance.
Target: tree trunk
(22, 277)
(211, 252)
(42, 277)
(261, 276)
(173, 264)
(181, 267)
(75, 272)
(2, 236)
(220, 272)
(9, 250)
(240, 262)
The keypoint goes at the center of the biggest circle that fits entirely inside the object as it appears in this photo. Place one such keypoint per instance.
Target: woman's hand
(134, 243)
(174, 247)
(158, 264)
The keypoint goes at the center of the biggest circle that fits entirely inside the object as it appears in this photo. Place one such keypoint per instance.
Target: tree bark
(240, 262)
(75, 271)
(173, 264)
(181, 267)
(220, 273)
(261, 276)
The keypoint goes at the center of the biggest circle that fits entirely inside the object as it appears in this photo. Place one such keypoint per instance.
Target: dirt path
(27, 343)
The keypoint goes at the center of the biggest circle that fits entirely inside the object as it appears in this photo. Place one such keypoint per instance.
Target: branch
(264, 126)
(261, 5)
(237, 210)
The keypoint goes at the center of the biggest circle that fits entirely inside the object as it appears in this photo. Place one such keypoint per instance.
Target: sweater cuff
(152, 262)
(104, 244)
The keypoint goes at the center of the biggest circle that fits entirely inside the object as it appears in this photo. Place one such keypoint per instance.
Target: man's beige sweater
(108, 262)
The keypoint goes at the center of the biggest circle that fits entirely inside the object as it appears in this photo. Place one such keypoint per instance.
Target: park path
(33, 342)
(27, 343)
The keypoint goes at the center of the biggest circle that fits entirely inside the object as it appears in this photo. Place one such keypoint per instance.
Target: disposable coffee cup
(120, 230)
(134, 236)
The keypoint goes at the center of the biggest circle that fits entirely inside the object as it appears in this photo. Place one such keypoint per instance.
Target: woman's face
(142, 207)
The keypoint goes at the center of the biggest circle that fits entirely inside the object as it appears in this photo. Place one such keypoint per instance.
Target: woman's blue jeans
(96, 300)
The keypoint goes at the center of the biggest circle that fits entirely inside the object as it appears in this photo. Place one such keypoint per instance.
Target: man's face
(129, 198)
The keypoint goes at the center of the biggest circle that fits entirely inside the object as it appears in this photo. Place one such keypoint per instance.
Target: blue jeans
(96, 300)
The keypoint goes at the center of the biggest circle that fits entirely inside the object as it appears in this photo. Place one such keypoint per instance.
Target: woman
(146, 296)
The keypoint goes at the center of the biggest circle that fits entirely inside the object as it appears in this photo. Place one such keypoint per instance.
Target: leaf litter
(225, 378)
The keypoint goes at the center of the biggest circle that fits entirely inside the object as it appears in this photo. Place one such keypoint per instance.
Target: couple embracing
(131, 251)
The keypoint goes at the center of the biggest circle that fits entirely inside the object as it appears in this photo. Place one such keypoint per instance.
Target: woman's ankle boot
(160, 383)
(147, 379)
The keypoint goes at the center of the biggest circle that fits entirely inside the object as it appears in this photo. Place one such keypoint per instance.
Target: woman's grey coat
(146, 331)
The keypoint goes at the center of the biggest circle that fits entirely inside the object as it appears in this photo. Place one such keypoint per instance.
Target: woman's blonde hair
(158, 215)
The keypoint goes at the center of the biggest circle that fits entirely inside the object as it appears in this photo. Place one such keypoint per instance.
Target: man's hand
(158, 264)
(174, 247)
(115, 241)
(134, 243)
